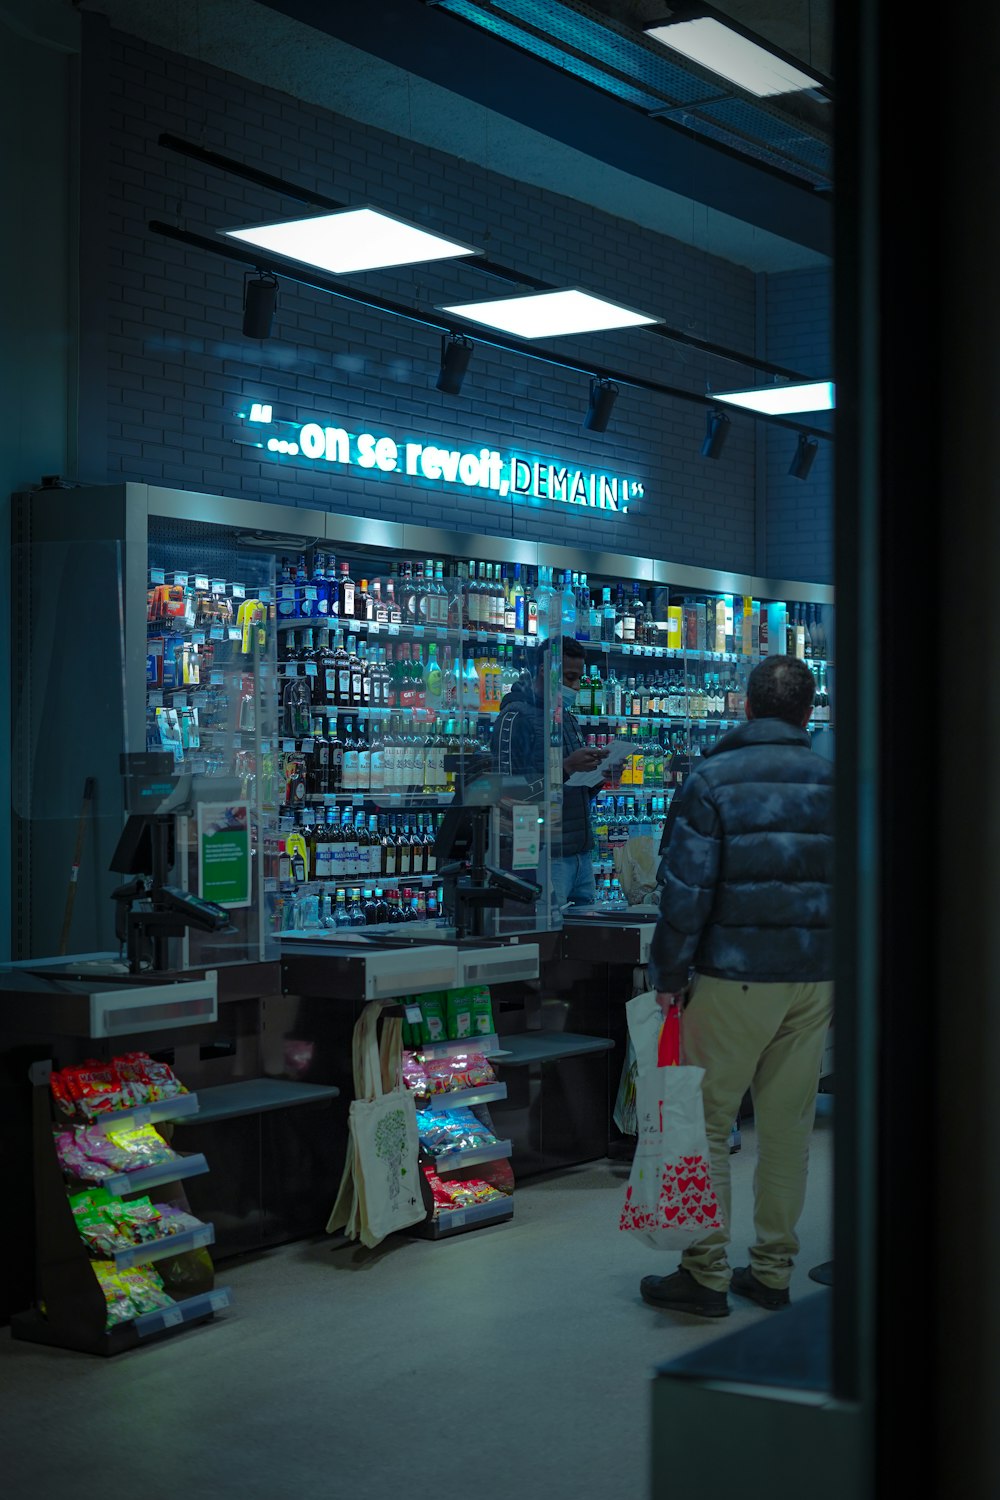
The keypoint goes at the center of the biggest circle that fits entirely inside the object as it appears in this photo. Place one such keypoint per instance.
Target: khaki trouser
(768, 1038)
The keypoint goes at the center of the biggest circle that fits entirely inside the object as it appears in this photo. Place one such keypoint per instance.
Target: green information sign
(224, 852)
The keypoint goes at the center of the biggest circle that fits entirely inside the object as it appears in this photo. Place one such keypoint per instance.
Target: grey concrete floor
(510, 1361)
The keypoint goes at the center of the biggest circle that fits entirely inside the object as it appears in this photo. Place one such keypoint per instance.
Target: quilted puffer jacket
(747, 873)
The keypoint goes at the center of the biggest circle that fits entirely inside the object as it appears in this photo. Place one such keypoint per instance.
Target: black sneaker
(745, 1284)
(681, 1293)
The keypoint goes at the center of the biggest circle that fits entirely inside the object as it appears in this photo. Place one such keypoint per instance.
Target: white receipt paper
(617, 752)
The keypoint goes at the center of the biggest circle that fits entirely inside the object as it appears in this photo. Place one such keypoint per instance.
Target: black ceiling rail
(478, 263)
(334, 287)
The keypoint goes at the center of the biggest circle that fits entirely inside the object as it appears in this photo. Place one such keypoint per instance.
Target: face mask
(568, 696)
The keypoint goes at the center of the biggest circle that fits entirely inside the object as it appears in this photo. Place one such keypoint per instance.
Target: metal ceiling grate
(740, 144)
(566, 61)
(603, 56)
(610, 49)
(769, 131)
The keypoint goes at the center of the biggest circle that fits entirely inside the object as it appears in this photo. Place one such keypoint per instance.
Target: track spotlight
(603, 395)
(716, 432)
(804, 456)
(456, 352)
(259, 298)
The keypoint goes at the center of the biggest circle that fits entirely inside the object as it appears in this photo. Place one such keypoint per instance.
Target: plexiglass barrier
(416, 728)
(143, 788)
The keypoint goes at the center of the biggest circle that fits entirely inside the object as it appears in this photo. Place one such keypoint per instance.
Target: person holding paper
(519, 746)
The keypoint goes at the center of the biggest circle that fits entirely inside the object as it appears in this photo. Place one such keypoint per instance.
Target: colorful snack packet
(145, 1289)
(142, 1147)
(459, 1013)
(432, 1008)
(99, 1234)
(75, 1162)
(138, 1220)
(116, 1293)
(482, 1011)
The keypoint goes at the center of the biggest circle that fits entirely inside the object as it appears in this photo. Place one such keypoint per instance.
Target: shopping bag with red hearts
(669, 1201)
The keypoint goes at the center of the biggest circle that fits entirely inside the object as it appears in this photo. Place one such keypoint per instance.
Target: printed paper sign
(224, 853)
(526, 840)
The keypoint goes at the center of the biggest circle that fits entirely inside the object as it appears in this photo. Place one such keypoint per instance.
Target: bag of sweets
(432, 1008)
(459, 1009)
(482, 1011)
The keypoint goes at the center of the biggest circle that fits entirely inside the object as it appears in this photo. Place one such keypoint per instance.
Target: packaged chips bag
(150, 1079)
(459, 1013)
(446, 1132)
(463, 1070)
(92, 1090)
(432, 1008)
(483, 1023)
(130, 1293)
(143, 1147)
(449, 1195)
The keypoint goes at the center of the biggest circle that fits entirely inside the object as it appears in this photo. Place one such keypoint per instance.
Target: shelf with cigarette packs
(210, 670)
(211, 702)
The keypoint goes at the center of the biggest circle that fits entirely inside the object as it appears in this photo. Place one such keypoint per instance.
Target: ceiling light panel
(782, 400)
(353, 239)
(714, 46)
(539, 315)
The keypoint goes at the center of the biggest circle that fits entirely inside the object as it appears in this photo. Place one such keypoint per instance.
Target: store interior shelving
(389, 670)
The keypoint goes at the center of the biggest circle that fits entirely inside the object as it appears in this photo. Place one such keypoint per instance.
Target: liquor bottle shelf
(449, 635)
(422, 714)
(405, 801)
(358, 882)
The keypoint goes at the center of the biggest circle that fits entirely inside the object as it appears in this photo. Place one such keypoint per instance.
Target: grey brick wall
(179, 368)
(799, 512)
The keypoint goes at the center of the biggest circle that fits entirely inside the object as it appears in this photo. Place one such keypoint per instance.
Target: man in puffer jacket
(746, 894)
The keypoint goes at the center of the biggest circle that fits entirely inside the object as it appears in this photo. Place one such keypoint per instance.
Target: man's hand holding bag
(669, 1200)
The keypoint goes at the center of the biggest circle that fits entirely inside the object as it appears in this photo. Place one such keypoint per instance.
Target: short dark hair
(570, 647)
(781, 687)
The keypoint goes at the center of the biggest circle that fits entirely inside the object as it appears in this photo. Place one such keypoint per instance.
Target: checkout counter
(266, 1047)
(266, 1043)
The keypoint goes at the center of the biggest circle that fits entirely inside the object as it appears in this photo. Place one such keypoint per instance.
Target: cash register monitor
(134, 853)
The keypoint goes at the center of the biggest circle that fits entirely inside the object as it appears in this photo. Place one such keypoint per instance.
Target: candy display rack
(71, 1312)
(448, 1222)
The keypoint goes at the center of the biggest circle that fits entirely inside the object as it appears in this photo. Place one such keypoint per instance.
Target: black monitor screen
(134, 852)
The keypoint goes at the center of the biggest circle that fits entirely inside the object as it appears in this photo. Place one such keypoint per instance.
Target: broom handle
(81, 829)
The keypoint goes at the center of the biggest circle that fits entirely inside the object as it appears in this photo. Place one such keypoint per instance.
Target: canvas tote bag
(669, 1201)
(380, 1188)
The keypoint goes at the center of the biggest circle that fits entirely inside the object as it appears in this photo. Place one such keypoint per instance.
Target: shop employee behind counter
(519, 745)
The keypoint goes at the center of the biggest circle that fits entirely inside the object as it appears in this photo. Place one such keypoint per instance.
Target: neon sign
(508, 475)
